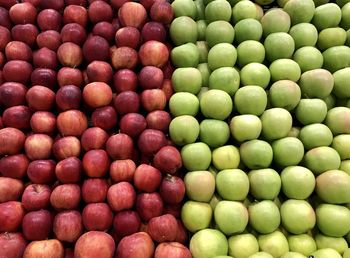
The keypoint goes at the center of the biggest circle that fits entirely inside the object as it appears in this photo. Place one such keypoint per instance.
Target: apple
(68, 226)
(51, 247)
(38, 146)
(74, 33)
(136, 245)
(326, 252)
(97, 216)
(121, 196)
(127, 102)
(66, 147)
(153, 99)
(100, 11)
(65, 197)
(69, 170)
(132, 14)
(126, 223)
(72, 123)
(94, 190)
(43, 122)
(183, 103)
(321, 159)
(122, 170)
(207, 130)
(70, 54)
(338, 244)
(13, 245)
(128, 37)
(22, 13)
(184, 130)
(95, 163)
(17, 117)
(201, 210)
(274, 243)
(36, 197)
(41, 171)
(99, 71)
(172, 249)
(96, 48)
(151, 141)
(149, 205)
(17, 50)
(196, 156)
(94, 243)
(264, 183)
(26, 33)
(11, 216)
(243, 245)
(172, 189)
(37, 225)
(210, 108)
(11, 189)
(287, 151)
(75, 13)
(123, 57)
(297, 175)
(158, 120)
(125, 80)
(12, 141)
(68, 97)
(49, 19)
(195, 180)
(120, 146)
(153, 53)
(97, 94)
(51, 4)
(302, 243)
(50, 39)
(94, 138)
(132, 124)
(12, 94)
(69, 76)
(105, 29)
(250, 51)
(14, 166)
(104, 117)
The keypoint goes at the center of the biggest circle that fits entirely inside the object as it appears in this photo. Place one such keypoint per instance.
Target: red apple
(94, 190)
(2, 60)
(26, 33)
(182, 233)
(167, 88)
(120, 146)
(151, 141)
(73, 32)
(36, 197)
(17, 50)
(121, 196)
(13, 245)
(45, 58)
(154, 31)
(65, 197)
(11, 216)
(158, 120)
(10, 189)
(36, 3)
(37, 225)
(153, 99)
(52, 4)
(49, 19)
(127, 102)
(75, 13)
(97, 94)
(172, 189)
(12, 94)
(45, 248)
(70, 76)
(76, 2)
(17, 117)
(168, 70)
(168, 160)
(94, 138)
(104, 117)
(66, 147)
(137, 245)
(14, 166)
(124, 57)
(150, 77)
(68, 97)
(70, 54)
(41, 171)
(173, 209)
(38, 146)
(96, 48)
(100, 11)
(147, 4)
(132, 14)
(12, 141)
(128, 37)
(122, 170)
(43, 122)
(147, 178)
(50, 39)
(44, 77)
(172, 250)
(126, 223)
(99, 71)
(96, 163)
(69, 170)
(163, 228)
(149, 205)
(17, 71)
(125, 80)
(68, 226)
(23, 13)
(5, 37)
(72, 123)
(40, 98)
(97, 216)
(133, 124)
(161, 11)
(104, 29)
(5, 20)
(153, 53)
(94, 244)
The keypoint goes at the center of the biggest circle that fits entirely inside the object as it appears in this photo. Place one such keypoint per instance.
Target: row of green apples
(261, 115)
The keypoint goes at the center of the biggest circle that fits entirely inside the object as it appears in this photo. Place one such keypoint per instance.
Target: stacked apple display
(261, 114)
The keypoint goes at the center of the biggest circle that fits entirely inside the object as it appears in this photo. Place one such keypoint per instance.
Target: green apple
(250, 51)
(183, 30)
(285, 69)
(201, 92)
(248, 29)
(321, 159)
(199, 9)
(265, 184)
(208, 243)
(300, 10)
(315, 135)
(317, 83)
(256, 154)
(279, 45)
(226, 79)
(342, 83)
(231, 217)
(261, 255)
(196, 156)
(347, 252)
(294, 132)
(326, 16)
(208, 132)
(219, 32)
(327, 214)
(281, 3)
(287, 151)
(276, 123)
(341, 144)
(345, 166)
(338, 120)
(203, 50)
(297, 182)
(345, 17)
(218, 10)
(302, 243)
(203, 68)
(184, 130)
(183, 103)
(284, 94)
(250, 100)
(242, 245)
(337, 243)
(222, 55)
(245, 127)
(331, 37)
(226, 157)
(200, 185)
(325, 253)
(264, 216)
(244, 10)
(274, 243)
(255, 74)
(334, 187)
(293, 255)
(216, 104)
(308, 58)
(304, 34)
(187, 79)
(184, 8)
(330, 101)
(186, 55)
(275, 20)
(298, 216)
(196, 215)
(336, 58)
(347, 43)
(201, 29)
(310, 111)
(215, 200)
(232, 184)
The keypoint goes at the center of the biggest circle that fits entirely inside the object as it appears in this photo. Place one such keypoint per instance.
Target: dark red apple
(153, 99)
(12, 141)
(68, 226)
(119, 146)
(153, 31)
(147, 178)
(104, 117)
(97, 216)
(137, 245)
(158, 120)
(70, 54)
(50, 39)
(72, 123)
(127, 102)
(97, 94)
(172, 189)
(70, 76)
(45, 58)
(17, 50)
(5, 20)
(182, 233)
(96, 48)
(53, 4)
(147, 4)
(94, 190)
(94, 244)
(37, 225)
(65, 197)
(100, 11)
(68, 97)
(150, 77)
(122, 170)
(173, 250)
(36, 3)
(104, 29)
(76, 2)
(121, 196)
(49, 19)
(73, 32)
(173, 209)
(11, 216)
(151, 141)
(17, 71)
(125, 80)
(126, 223)
(41, 171)
(5, 37)
(2, 60)
(168, 70)
(45, 248)
(44, 77)
(161, 11)
(10, 189)
(17, 117)
(149, 205)
(14, 166)
(36, 197)
(38, 146)
(99, 71)
(96, 163)
(124, 57)
(132, 14)
(12, 94)
(69, 170)
(163, 228)
(94, 138)
(168, 160)
(128, 37)
(153, 53)
(133, 124)
(26, 33)
(13, 245)
(74, 13)
(23, 13)
(40, 98)
(66, 147)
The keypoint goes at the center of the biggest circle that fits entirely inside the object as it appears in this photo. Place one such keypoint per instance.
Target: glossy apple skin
(147, 178)
(45, 248)
(10, 189)
(94, 190)
(94, 138)
(75, 13)
(69, 170)
(122, 170)
(121, 196)
(17, 117)
(97, 216)
(43, 122)
(172, 189)
(163, 228)
(149, 205)
(120, 146)
(96, 163)
(172, 249)
(66, 147)
(65, 197)
(42, 171)
(168, 160)
(125, 80)
(126, 223)
(38, 146)
(14, 166)
(138, 245)
(36, 197)
(11, 216)
(13, 245)
(68, 226)
(37, 225)
(94, 244)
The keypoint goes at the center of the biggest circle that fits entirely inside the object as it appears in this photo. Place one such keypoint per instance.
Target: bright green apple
(293, 255)
(327, 16)
(315, 135)
(310, 111)
(219, 32)
(276, 123)
(274, 243)
(336, 58)
(226, 157)
(304, 34)
(341, 144)
(297, 182)
(186, 55)
(232, 184)
(242, 245)
(248, 29)
(244, 10)
(200, 185)
(250, 51)
(317, 83)
(256, 154)
(321, 159)
(201, 29)
(345, 17)
(255, 74)
(226, 79)
(337, 120)
(285, 69)
(216, 104)
(342, 83)
(218, 10)
(284, 94)
(287, 151)
(196, 156)
(250, 100)
(184, 130)
(222, 55)
(196, 215)
(184, 8)
(203, 68)
(345, 166)
(183, 30)
(337, 243)
(302, 243)
(183, 103)
(208, 243)
(279, 45)
(208, 132)
(331, 37)
(308, 58)
(187, 79)
(325, 253)
(245, 127)
(265, 184)
(264, 216)
(275, 20)
(300, 10)
(261, 255)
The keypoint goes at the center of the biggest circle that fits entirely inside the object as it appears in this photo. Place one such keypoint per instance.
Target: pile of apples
(85, 161)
